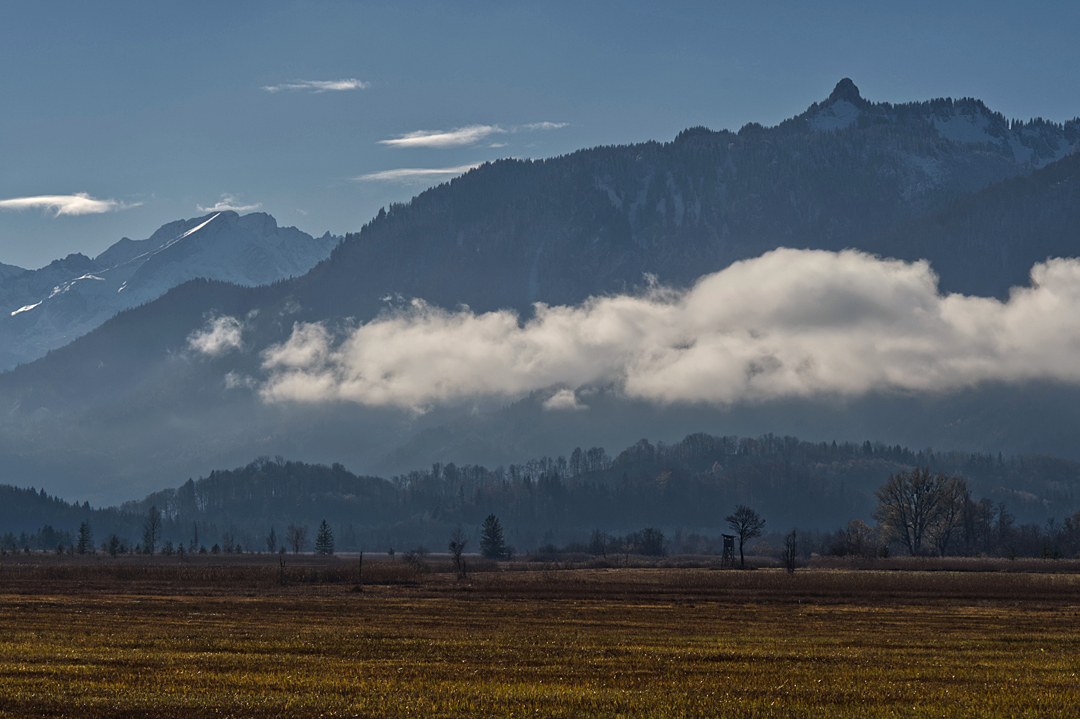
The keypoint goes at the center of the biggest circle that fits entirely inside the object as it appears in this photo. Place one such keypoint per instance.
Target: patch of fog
(219, 336)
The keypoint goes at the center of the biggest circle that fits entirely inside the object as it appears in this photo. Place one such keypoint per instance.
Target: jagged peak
(846, 90)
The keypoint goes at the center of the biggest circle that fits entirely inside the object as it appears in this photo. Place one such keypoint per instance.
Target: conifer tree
(85, 543)
(492, 544)
(324, 540)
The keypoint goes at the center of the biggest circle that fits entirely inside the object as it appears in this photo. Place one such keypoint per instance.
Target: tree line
(586, 499)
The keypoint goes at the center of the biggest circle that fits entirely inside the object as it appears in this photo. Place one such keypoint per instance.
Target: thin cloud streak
(453, 138)
(410, 175)
(228, 202)
(788, 324)
(542, 126)
(461, 136)
(78, 204)
(316, 87)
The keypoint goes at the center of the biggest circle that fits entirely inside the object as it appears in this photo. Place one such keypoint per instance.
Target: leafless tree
(458, 540)
(919, 506)
(296, 537)
(789, 552)
(953, 504)
(747, 524)
(151, 530)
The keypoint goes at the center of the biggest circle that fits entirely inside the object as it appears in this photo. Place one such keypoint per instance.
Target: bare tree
(953, 504)
(747, 524)
(789, 554)
(296, 538)
(151, 530)
(917, 506)
(458, 540)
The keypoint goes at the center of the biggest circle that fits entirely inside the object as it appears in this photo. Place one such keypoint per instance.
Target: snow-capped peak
(73, 297)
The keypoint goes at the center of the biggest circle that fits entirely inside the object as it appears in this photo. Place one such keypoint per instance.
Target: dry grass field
(108, 638)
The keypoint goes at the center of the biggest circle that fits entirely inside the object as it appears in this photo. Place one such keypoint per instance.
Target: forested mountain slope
(986, 242)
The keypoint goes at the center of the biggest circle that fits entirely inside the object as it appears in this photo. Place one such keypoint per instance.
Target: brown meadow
(225, 637)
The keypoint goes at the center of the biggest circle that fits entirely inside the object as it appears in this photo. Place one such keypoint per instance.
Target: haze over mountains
(211, 374)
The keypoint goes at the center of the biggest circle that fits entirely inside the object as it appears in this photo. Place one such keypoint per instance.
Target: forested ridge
(685, 489)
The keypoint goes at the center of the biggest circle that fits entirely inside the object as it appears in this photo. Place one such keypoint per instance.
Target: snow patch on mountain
(48, 308)
(836, 116)
(26, 308)
(965, 127)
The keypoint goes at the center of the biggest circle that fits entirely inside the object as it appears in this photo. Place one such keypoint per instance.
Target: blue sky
(156, 110)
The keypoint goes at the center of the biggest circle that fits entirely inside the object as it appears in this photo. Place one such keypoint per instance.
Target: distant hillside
(686, 487)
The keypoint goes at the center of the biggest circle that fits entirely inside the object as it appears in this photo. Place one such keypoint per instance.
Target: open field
(228, 639)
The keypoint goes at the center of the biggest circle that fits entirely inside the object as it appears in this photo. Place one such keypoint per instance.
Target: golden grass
(606, 643)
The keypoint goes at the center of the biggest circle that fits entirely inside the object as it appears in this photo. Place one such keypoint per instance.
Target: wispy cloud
(319, 86)
(792, 323)
(410, 175)
(469, 135)
(445, 138)
(541, 126)
(228, 202)
(78, 204)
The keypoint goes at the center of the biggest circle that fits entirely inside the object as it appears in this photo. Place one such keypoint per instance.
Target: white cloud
(320, 86)
(445, 138)
(228, 202)
(791, 323)
(469, 135)
(541, 126)
(78, 204)
(563, 400)
(221, 335)
(409, 175)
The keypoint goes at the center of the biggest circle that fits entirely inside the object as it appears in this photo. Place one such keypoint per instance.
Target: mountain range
(131, 405)
(47, 308)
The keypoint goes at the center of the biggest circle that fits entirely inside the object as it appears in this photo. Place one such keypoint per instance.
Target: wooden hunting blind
(728, 560)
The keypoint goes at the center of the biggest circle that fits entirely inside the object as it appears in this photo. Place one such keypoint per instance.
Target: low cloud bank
(791, 323)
